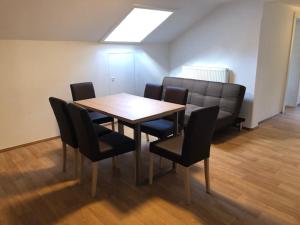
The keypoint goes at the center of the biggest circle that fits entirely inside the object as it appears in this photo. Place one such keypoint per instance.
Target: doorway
(122, 73)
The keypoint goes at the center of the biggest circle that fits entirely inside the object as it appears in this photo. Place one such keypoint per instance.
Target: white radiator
(205, 73)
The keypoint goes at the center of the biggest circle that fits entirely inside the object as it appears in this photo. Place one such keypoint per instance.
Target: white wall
(235, 35)
(32, 71)
(294, 70)
(298, 97)
(273, 59)
(228, 37)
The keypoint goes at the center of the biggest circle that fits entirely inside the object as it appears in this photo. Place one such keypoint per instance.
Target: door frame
(295, 18)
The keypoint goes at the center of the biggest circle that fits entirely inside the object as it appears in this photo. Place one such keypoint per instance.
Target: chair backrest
(198, 134)
(153, 91)
(177, 95)
(81, 91)
(66, 128)
(86, 135)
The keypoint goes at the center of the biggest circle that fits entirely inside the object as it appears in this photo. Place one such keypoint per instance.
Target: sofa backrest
(229, 97)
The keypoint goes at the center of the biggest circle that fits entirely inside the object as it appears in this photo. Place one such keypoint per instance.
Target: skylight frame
(167, 14)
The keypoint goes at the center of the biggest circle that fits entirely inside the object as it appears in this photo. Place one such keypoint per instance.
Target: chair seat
(113, 144)
(160, 128)
(173, 144)
(170, 148)
(99, 117)
(101, 130)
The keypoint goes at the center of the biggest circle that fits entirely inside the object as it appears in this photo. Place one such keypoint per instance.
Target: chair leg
(113, 126)
(151, 168)
(115, 162)
(241, 126)
(81, 165)
(206, 168)
(134, 164)
(76, 163)
(120, 128)
(160, 162)
(147, 137)
(94, 178)
(187, 184)
(174, 166)
(64, 147)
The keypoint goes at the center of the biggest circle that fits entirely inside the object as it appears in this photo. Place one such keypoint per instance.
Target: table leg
(120, 127)
(137, 138)
(176, 129)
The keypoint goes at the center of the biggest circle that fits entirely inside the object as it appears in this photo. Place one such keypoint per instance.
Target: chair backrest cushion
(86, 135)
(81, 91)
(198, 134)
(153, 91)
(66, 128)
(178, 96)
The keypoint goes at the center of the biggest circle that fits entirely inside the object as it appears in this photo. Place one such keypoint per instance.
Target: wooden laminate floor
(255, 179)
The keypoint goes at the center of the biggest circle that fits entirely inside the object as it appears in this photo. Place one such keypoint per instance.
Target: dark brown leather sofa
(229, 97)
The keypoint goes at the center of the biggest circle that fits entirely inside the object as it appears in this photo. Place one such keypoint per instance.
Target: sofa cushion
(206, 93)
(190, 108)
(232, 98)
(227, 96)
(224, 118)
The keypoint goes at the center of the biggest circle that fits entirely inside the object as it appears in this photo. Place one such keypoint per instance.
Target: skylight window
(137, 25)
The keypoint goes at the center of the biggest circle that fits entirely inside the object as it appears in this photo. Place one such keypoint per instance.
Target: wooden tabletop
(130, 108)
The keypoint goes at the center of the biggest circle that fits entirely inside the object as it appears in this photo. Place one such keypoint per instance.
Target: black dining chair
(162, 128)
(82, 91)
(152, 91)
(93, 147)
(190, 148)
(67, 132)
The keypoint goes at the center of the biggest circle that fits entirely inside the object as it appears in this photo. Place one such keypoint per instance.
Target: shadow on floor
(117, 198)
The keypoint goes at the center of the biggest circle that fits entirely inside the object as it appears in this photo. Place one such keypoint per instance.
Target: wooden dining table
(134, 110)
